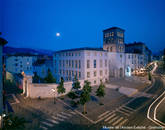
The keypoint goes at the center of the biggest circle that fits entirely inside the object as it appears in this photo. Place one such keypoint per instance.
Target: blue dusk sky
(34, 23)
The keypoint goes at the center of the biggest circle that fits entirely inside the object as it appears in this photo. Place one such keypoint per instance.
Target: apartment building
(18, 63)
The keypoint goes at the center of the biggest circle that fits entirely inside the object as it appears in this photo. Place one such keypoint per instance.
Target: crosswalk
(56, 119)
(117, 117)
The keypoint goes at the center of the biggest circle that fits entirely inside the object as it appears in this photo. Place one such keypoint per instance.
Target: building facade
(139, 48)
(19, 63)
(83, 63)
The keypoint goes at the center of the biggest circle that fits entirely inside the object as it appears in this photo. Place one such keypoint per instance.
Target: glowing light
(58, 34)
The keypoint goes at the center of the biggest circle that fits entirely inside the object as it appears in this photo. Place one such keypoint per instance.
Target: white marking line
(53, 121)
(103, 114)
(42, 127)
(73, 112)
(46, 123)
(129, 108)
(66, 114)
(115, 123)
(156, 110)
(104, 117)
(113, 119)
(123, 112)
(57, 118)
(62, 116)
(124, 121)
(110, 117)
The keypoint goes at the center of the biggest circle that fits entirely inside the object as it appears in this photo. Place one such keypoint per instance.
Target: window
(63, 63)
(101, 73)
(79, 64)
(105, 63)
(95, 73)
(69, 63)
(72, 63)
(59, 62)
(128, 56)
(21, 66)
(88, 63)
(88, 74)
(101, 63)
(101, 54)
(94, 81)
(111, 49)
(79, 74)
(120, 56)
(76, 63)
(16, 64)
(94, 63)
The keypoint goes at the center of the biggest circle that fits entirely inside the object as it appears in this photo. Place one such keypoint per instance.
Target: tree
(149, 76)
(100, 91)
(60, 87)
(49, 78)
(76, 84)
(85, 95)
(36, 78)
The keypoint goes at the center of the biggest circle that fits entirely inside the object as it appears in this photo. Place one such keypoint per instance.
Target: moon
(57, 34)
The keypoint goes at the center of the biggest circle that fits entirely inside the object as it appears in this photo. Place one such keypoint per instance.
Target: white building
(19, 63)
(85, 63)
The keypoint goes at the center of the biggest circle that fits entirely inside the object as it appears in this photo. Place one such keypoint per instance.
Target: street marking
(42, 127)
(125, 110)
(115, 123)
(73, 112)
(67, 114)
(124, 121)
(110, 117)
(104, 117)
(128, 108)
(62, 116)
(46, 123)
(103, 114)
(57, 118)
(113, 119)
(53, 121)
(123, 113)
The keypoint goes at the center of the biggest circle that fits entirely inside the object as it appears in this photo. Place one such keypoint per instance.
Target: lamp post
(54, 91)
(2, 43)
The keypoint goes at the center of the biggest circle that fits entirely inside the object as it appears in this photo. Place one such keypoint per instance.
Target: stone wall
(35, 90)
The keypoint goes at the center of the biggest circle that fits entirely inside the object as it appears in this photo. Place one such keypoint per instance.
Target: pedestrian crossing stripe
(57, 118)
(110, 117)
(115, 123)
(73, 112)
(67, 114)
(129, 108)
(113, 119)
(123, 112)
(124, 121)
(103, 114)
(62, 116)
(46, 123)
(44, 128)
(53, 121)
(122, 109)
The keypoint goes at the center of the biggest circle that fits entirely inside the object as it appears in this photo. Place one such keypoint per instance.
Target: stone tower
(113, 40)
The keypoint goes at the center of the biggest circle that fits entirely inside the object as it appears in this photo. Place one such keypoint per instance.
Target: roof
(112, 28)
(2, 41)
(81, 49)
(135, 44)
(21, 54)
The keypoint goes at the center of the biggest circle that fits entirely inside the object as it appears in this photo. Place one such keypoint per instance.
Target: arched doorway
(121, 72)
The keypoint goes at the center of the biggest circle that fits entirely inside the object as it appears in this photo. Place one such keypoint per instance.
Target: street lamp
(54, 91)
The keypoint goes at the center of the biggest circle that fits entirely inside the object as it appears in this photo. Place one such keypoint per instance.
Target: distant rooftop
(81, 49)
(112, 28)
(135, 44)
